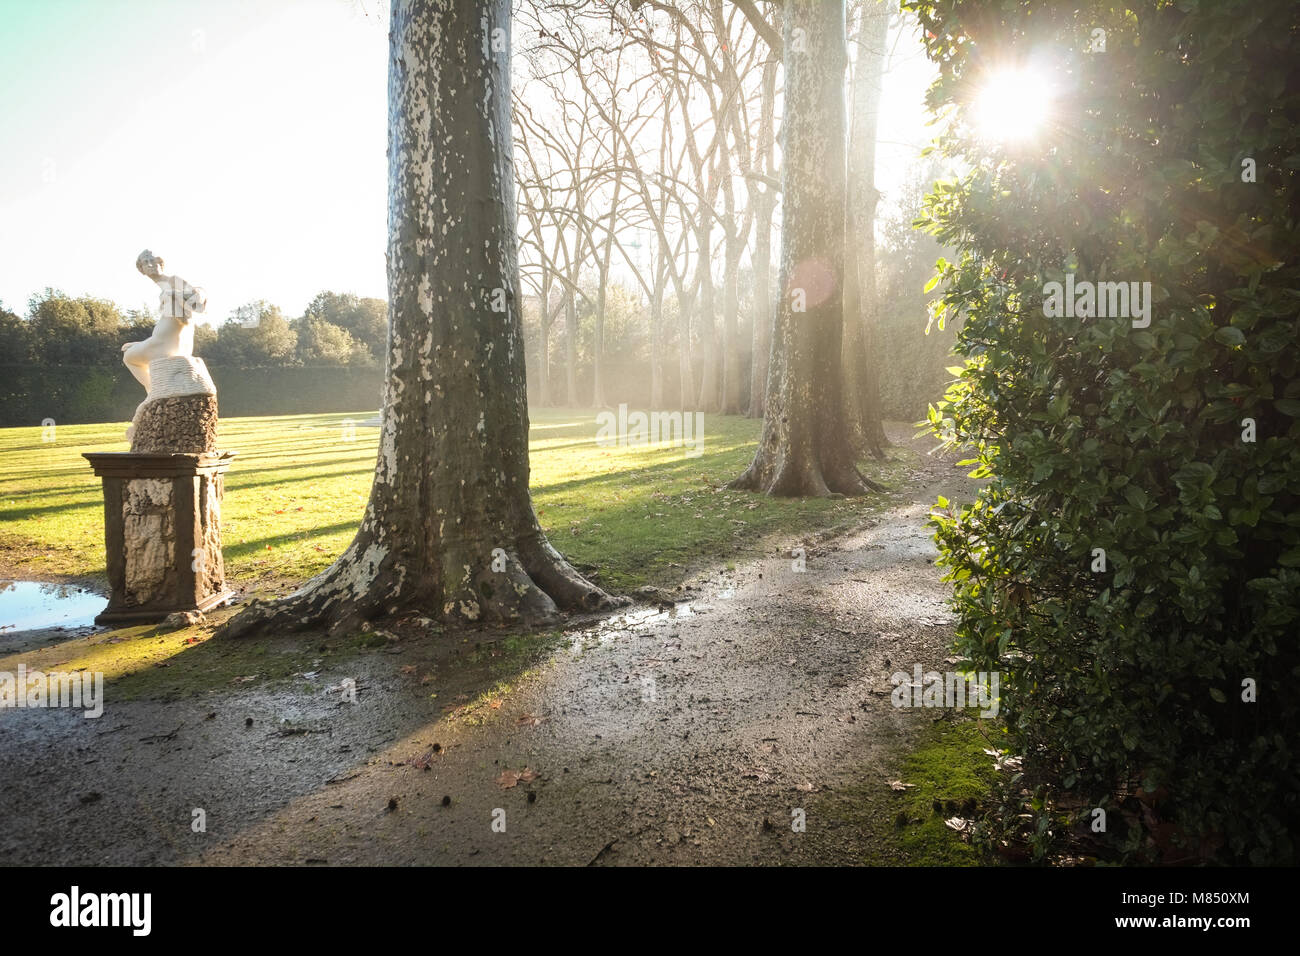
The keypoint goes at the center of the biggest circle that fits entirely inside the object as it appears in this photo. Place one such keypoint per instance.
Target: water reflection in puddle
(27, 605)
(622, 623)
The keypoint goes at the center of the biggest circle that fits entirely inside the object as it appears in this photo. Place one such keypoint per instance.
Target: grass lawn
(297, 490)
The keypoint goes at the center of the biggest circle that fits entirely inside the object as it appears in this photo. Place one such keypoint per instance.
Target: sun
(1012, 105)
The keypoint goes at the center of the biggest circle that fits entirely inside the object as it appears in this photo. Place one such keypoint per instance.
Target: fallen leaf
(509, 778)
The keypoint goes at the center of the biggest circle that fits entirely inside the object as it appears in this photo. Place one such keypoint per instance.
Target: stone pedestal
(162, 533)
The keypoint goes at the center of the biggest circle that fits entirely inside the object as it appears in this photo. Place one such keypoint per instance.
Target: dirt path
(682, 735)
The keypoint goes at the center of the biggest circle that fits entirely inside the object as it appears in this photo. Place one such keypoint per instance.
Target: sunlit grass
(298, 487)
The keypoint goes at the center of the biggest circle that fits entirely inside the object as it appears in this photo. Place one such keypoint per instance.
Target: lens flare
(1012, 105)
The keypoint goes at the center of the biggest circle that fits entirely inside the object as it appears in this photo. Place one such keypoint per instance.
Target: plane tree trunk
(449, 530)
(803, 451)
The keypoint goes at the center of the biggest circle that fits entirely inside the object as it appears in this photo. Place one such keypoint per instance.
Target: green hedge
(1133, 566)
(75, 395)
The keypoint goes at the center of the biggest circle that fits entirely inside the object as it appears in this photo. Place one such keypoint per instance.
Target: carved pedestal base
(162, 533)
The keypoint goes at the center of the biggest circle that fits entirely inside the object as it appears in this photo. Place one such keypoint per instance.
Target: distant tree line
(60, 330)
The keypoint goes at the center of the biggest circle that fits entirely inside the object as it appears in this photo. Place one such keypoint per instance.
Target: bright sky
(242, 140)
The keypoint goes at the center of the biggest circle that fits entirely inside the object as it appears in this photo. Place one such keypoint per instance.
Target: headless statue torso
(169, 351)
(173, 335)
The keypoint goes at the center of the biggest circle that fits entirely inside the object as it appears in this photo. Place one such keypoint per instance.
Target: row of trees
(335, 329)
(648, 147)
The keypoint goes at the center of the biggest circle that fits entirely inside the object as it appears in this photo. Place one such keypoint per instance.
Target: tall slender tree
(861, 305)
(449, 530)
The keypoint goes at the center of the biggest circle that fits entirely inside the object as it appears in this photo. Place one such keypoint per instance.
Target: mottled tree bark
(449, 530)
(803, 451)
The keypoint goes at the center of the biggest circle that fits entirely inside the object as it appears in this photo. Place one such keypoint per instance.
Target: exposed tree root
(805, 479)
(529, 590)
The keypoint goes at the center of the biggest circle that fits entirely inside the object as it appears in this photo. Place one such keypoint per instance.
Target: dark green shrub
(1096, 434)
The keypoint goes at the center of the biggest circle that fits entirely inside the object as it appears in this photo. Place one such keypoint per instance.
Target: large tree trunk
(802, 450)
(449, 530)
(861, 371)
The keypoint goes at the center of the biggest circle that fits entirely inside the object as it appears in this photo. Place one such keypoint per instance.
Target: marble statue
(162, 499)
(173, 335)
(166, 366)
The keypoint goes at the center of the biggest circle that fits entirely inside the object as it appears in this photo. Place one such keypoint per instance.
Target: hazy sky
(242, 140)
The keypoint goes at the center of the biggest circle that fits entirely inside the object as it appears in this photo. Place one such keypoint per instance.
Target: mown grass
(297, 490)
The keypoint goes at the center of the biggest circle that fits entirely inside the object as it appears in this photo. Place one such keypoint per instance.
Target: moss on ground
(949, 776)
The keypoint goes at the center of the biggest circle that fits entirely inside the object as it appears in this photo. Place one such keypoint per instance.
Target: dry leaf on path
(510, 778)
